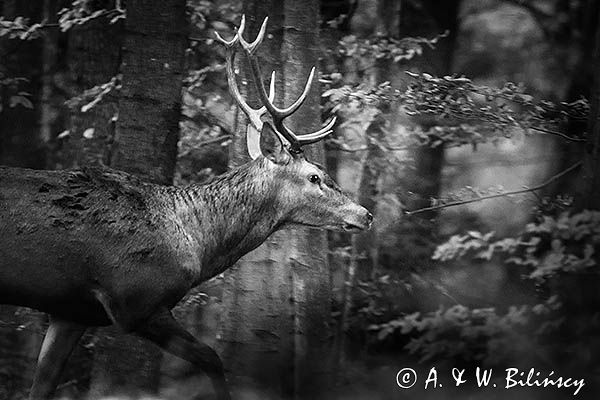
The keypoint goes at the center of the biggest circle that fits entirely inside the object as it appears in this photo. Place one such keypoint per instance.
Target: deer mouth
(353, 228)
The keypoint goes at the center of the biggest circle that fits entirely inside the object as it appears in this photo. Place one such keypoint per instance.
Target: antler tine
(228, 43)
(251, 47)
(272, 88)
(318, 135)
(286, 112)
(277, 114)
(297, 141)
(254, 115)
(275, 111)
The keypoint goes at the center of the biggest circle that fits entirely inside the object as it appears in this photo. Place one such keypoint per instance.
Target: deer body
(70, 236)
(97, 247)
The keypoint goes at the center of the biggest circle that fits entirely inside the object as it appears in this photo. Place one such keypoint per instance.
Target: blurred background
(471, 130)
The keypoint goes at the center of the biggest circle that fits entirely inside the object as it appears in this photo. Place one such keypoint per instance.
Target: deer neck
(233, 214)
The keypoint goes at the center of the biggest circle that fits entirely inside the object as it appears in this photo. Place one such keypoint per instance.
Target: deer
(94, 246)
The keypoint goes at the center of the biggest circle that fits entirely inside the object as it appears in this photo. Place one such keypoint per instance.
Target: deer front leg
(166, 332)
(60, 340)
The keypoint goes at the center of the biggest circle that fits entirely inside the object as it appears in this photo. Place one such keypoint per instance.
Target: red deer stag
(97, 247)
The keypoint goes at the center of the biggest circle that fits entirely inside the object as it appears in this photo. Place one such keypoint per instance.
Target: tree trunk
(93, 58)
(20, 142)
(146, 145)
(276, 299)
(364, 257)
(150, 102)
(585, 17)
(588, 191)
(422, 182)
(257, 319)
(20, 145)
(48, 110)
(311, 285)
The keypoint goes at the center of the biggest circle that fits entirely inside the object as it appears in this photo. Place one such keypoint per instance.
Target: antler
(254, 115)
(277, 114)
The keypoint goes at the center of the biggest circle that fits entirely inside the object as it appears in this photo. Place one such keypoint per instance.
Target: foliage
(206, 108)
(501, 109)
(379, 47)
(462, 112)
(90, 97)
(209, 15)
(83, 11)
(473, 334)
(80, 12)
(552, 245)
(16, 96)
(19, 28)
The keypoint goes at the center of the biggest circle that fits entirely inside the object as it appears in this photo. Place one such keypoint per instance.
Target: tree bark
(150, 102)
(93, 58)
(256, 327)
(365, 251)
(20, 142)
(146, 145)
(418, 185)
(49, 56)
(311, 285)
(276, 299)
(588, 190)
(20, 145)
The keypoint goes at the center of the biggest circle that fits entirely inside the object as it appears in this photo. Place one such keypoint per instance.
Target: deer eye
(314, 179)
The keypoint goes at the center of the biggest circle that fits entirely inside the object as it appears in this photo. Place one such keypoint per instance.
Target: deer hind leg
(60, 340)
(166, 332)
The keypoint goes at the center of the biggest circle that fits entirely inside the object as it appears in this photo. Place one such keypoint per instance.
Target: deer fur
(97, 246)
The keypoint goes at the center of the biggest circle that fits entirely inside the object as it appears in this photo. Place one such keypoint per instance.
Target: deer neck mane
(233, 214)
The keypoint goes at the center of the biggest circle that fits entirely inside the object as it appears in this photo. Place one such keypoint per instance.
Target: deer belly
(49, 284)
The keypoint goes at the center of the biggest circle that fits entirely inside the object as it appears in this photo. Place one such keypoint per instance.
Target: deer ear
(253, 142)
(280, 156)
(276, 150)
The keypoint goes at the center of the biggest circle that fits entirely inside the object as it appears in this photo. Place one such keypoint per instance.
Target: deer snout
(369, 219)
(360, 219)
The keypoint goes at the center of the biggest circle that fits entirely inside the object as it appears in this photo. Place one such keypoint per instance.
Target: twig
(204, 143)
(214, 140)
(555, 133)
(503, 194)
(199, 39)
(347, 149)
(66, 384)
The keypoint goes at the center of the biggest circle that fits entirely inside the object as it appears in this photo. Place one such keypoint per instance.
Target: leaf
(63, 134)
(88, 133)
(20, 100)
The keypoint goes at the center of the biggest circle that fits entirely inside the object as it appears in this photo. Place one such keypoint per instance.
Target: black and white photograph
(299, 199)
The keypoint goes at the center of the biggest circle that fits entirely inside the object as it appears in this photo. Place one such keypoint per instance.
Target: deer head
(307, 194)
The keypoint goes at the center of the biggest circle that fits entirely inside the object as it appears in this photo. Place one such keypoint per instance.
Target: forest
(469, 129)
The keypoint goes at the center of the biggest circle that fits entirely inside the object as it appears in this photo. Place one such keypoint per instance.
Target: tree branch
(214, 140)
(503, 194)
(556, 133)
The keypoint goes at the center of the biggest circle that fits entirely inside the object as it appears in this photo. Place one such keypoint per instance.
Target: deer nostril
(369, 217)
